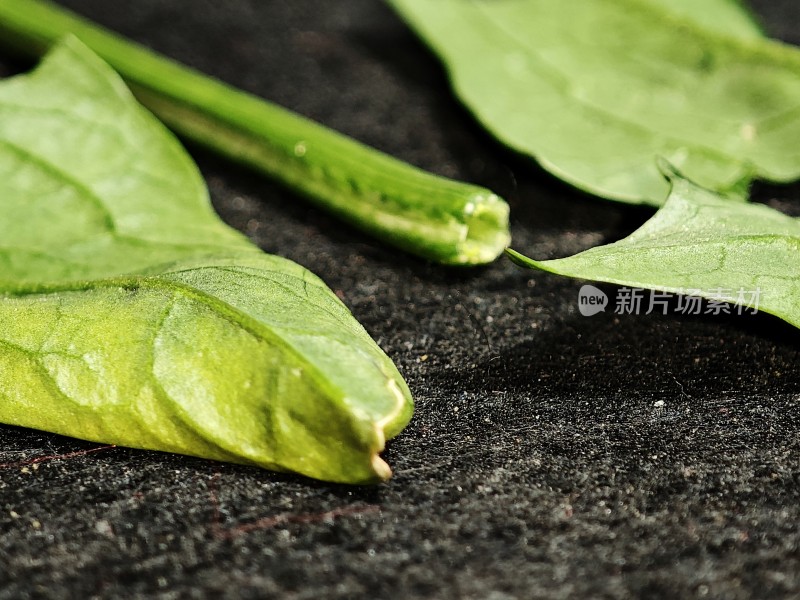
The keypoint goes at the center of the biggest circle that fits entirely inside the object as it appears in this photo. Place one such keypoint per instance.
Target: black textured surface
(541, 461)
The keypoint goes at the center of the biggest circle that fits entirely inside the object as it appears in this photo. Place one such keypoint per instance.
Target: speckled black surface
(538, 465)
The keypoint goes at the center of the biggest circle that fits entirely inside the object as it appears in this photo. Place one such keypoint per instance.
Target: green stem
(433, 217)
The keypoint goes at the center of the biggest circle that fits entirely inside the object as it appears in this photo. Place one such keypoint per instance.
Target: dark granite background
(541, 462)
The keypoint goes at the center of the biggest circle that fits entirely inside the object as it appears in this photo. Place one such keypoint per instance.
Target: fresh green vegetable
(433, 217)
(132, 315)
(595, 90)
(702, 244)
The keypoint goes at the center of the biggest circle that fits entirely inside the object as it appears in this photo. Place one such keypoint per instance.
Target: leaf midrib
(52, 169)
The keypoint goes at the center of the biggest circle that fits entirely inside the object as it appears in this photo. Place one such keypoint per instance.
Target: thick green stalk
(430, 216)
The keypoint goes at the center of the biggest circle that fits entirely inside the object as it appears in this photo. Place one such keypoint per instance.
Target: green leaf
(132, 315)
(702, 244)
(595, 90)
(727, 17)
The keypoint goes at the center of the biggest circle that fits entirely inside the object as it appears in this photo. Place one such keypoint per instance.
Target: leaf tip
(737, 188)
(520, 259)
(669, 171)
(382, 470)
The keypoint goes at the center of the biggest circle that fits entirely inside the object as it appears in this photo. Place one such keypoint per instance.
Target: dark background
(540, 462)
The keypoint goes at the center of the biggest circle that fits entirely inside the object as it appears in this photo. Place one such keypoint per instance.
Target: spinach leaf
(132, 315)
(702, 244)
(595, 90)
